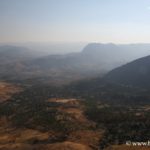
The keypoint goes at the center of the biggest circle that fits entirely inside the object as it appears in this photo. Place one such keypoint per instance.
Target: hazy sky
(119, 21)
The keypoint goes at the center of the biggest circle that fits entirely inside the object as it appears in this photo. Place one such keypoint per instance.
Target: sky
(115, 21)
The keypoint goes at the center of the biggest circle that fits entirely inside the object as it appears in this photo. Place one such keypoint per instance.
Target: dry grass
(57, 146)
(125, 147)
(87, 137)
(68, 146)
(7, 90)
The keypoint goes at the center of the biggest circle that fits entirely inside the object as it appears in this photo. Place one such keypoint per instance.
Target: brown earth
(25, 139)
(86, 137)
(125, 147)
(57, 146)
(7, 90)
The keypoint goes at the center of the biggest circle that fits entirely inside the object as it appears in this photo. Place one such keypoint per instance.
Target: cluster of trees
(121, 123)
(31, 109)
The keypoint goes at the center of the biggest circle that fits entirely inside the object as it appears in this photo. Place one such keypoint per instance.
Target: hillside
(135, 73)
(34, 120)
(7, 90)
(95, 57)
(20, 64)
(47, 117)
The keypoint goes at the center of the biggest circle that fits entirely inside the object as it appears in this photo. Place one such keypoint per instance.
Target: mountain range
(96, 59)
(111, 104)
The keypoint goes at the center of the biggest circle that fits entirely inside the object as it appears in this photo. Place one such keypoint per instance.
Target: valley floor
(43, 118)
